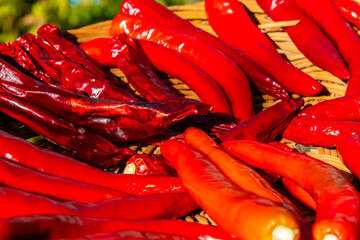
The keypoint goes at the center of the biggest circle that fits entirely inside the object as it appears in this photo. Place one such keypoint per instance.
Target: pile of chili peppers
(215, 154)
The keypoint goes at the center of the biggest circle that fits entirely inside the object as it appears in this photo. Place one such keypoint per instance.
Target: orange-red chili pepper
(299, 193)
(349, 149)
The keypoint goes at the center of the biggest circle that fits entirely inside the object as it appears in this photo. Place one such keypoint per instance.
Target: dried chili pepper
(256, 45)
(318, 49)
(324, 133)
(266, 125)
(84, 144)
(299, 193)
(99, 51)
(24, 178)
(348, 149)
(337, 200)
(70, 74)
(350, 10)
(341, 34)
(144, 164)
(44, 160)
(132, 62)
(159, 14)
(65, 226)
(114, 120)
(233, 209)
(220, 67)
(16, 203)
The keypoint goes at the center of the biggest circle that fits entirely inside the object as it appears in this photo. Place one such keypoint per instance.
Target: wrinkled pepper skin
(348, 150)
(233, 209)
(15, 203)
(220, 67)
(340, 32)
(266, 125)
(43, 160)
(324, 133)
(65, 226)
(350, 10)
(337, 200)
(83, 144)
(230, 21)
(99, 51)
(27, 179)
(161, 15)
(299, 193)
(318, 49)
(113, 120)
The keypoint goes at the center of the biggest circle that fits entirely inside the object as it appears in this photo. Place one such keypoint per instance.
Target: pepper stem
(330, 237)
(283, 233)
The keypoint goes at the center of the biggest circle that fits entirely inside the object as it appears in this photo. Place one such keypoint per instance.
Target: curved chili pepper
(266, 125)
(65, 226)
(324, 133)
(220, 67)
(337, 109)
(70, 74)
(348, 149)
(299, 193)
(350, 10)
(16, 203)
(341, 34)
(99, 51)
(337, 200)
(27, 179)
(84, 144)
(159, 14)
(318, 49)
(44, 160)
(235, 210)
(256, 45)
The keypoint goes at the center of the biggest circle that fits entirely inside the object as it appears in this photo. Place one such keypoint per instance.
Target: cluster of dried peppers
(61, 91)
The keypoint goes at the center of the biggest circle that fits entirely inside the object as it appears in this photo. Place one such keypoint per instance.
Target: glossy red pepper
(159, 14)
(65, 226)
(334, 25)
(337, 200)
(220, 67)
(154, 165)
(114, 120)
(57, 164)
(71, 75)
(233, 209)
(324, 133)
(266, 125)
(132, 62)
(350, 10)
(16, 203)
(299, 193)
(83, 144)
(348, 150)
(27, 179)
(98, 50)
(318, 49)
(230, 21)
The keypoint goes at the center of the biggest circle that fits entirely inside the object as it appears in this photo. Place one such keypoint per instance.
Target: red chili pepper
(337, 200)
(154, 165)
(27, 179)
(99, 51)
(84, 144)
(57, 164)
(230, 21)
(235, 210)
(65, 226)
(163, 16)
(266, 125)
(337, 109)
(341, 34)
(318, 49)
(324, 133)
(16, 203)
(132, 62)
(348, 149)
(70, 74)
(350, 10)
(53, 35)
(299, 193)
(220, 67)
(114, 120)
